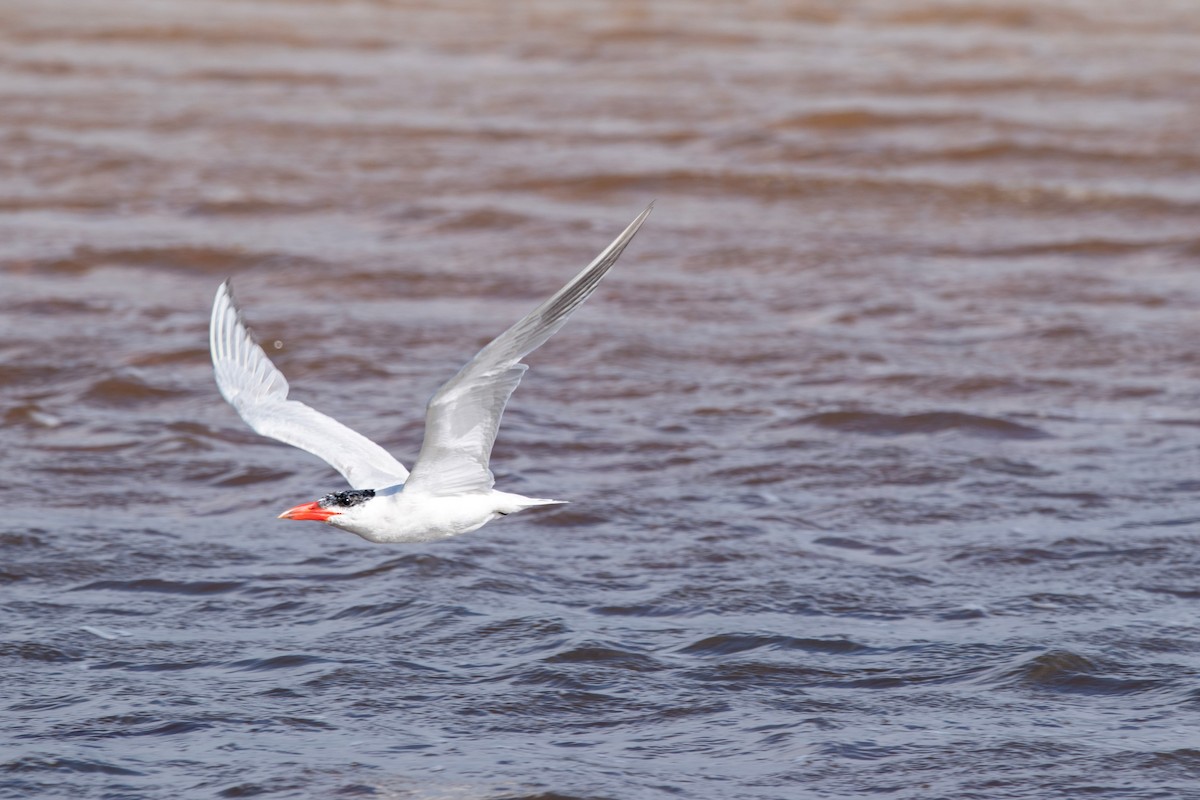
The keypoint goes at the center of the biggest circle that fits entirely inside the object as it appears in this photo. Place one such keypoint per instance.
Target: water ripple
(162, 586)
(876, 424)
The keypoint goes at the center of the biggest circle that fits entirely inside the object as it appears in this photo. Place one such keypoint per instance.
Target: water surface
(881, 440)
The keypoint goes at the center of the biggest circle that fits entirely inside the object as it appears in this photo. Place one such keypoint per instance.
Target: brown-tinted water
(881, 439)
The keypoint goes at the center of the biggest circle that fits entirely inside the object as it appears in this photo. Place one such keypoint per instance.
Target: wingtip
(224, 295)
(630, 230)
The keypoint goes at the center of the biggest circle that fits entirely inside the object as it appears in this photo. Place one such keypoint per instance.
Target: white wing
(462, 418)
(258, 391)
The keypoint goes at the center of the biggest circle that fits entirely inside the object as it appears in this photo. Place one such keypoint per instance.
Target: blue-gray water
(881, 440)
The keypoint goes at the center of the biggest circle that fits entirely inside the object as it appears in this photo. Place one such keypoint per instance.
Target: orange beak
(309, 511)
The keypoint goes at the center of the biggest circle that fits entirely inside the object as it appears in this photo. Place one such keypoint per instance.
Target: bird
(450, 490)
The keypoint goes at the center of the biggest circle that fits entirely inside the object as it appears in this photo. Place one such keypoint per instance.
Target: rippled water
(881, 439)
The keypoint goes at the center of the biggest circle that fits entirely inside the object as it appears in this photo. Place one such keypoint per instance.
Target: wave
(49, 763)
(1064, 671)
(161, 586)
(732, 643)
(187, 258)
(879, 424)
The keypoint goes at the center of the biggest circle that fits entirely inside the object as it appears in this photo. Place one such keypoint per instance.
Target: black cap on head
(347, 499)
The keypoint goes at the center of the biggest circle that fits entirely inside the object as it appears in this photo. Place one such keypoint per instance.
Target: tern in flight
(450, 490)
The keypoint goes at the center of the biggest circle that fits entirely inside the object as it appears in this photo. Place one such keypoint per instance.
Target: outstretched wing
(258, 392)
(462, 418)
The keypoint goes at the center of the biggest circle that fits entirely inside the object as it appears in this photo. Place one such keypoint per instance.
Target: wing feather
(463, 417)
(259, 393)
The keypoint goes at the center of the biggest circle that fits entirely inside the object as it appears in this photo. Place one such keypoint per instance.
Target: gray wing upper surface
(463, 417)
(259, 393)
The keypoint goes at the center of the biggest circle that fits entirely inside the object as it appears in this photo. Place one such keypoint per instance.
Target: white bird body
(398, 515)
(450, 490)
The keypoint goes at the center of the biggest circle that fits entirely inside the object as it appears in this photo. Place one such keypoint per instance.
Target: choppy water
(882, 438)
